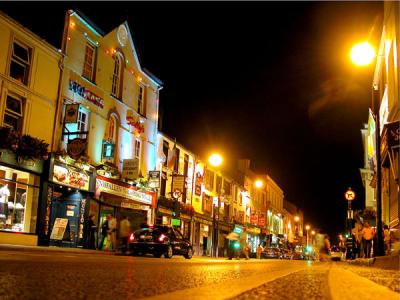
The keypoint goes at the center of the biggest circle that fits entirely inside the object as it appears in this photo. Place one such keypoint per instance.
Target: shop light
(72, 24)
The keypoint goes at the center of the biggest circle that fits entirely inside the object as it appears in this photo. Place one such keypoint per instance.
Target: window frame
(19, 116)
(137, 149)
(26, 64)
(117, 77)
(87, 65)
(142, 100)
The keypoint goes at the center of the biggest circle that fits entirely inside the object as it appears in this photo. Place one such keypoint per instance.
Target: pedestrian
(91, 229)
(246, 250)
(386, 239)
(124, 232)
(112, 233)
(368, 235)
(104, 233)
(326, 249)
(260, 249)
(233, 239)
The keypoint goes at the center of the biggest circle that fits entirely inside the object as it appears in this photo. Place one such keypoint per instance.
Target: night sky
(268, 81)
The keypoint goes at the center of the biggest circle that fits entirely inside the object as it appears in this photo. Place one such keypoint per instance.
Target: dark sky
(268, 81)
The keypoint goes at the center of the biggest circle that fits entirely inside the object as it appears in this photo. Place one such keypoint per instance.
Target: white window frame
(19, 116)
(116, 86)
(82, 124)
(89, 63)
(20, 61)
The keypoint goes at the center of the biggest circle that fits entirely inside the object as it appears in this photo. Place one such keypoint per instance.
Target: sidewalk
(391, 262)
(9, 247)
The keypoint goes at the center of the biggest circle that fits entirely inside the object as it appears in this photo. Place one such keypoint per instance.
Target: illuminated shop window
(19, 194)
(20, 62)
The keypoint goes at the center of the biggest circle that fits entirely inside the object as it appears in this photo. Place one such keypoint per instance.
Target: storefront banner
(59, 227)
(123, 191)
(253, 230)
(69, 177)
(154, 179)
(132, 205)
(165, 211)
(178, 183)
(202, 221)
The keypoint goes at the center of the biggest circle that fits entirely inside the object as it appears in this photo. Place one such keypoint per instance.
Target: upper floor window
(137, 148)
(14, 113)
(209, 179)
(116, 88)
(176, 163)
(165, 151)
(141, 101)
(227, 188)
(110, 138)
(21, 61)
(81, 125)
(89, 62)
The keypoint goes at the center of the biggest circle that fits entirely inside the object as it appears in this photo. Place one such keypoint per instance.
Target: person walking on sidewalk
(112, 233)
(386, 239)
(124, 232)
(104, 233)
(91, 228)
(368, 234)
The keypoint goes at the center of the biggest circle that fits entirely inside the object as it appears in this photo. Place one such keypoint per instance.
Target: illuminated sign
(75, 87)
(123, 191)
(70, 177)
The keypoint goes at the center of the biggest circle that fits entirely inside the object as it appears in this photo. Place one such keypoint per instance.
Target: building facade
(105, 141)
(29, 86)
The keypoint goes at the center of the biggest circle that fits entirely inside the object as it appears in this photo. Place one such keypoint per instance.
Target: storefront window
(19, 194)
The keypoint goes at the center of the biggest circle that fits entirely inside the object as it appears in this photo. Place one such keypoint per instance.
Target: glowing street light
(307, 228)
(215, 160)
(362, 54)
(258, 184)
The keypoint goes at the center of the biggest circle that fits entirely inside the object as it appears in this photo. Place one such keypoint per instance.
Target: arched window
(116, 88)
(110, 139)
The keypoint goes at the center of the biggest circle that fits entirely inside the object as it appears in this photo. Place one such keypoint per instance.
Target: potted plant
(8, 138)
(30, 148)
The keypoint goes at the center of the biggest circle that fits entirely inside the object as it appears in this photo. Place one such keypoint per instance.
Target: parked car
(286, 253)
(271, 252)
(298, 253)
(160, 240)
(336, 253)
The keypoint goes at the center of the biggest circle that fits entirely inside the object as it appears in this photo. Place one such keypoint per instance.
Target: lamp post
(363, 54)
(215, 160)
(307, 229)
(296, 221)
(312, 237)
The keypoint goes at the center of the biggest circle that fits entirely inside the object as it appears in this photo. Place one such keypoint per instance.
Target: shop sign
(123, 191)
(59, 227)
(165, 211)
(76, 147)
(130, 168)
(176, 222)
(199, 182)
(133, 205)
(254, 218)
(66, 176)
(202, 221)
(261, 219)
(238, 229)
(154, 179)
(178, 184)
(75, 87)
(71, 113)
(9, 157)
(393, 134)
(253, 230)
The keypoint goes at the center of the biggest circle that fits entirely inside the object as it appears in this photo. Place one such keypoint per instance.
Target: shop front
(202, 234)
(253, 237)
(65, 204)
(120, 199)
(19, 198)
(224, 229)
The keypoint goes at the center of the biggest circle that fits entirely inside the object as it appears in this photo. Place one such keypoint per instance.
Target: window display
(18, 200)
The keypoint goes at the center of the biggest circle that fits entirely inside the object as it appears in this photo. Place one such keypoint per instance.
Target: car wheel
(168, 253)
(189, 254)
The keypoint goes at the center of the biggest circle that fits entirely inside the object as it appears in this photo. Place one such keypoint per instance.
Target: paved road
(44, 275)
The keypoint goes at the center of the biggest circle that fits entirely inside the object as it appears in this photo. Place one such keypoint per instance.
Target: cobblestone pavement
(389, 278)
(307, 284)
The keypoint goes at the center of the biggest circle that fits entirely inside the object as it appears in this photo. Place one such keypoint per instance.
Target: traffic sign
(350, 195)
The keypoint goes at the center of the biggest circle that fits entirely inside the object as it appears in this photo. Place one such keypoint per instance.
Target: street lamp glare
(307, 227)
(259, 183)
(362, 54)
(215, 160)
(296, 218)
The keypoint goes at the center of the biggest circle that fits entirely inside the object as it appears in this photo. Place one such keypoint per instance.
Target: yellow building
(275, 206)
(106, 136)
(386, 88)
(29, 77)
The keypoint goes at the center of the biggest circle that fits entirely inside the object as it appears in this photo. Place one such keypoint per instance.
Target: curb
(383, 262)
(9, 247)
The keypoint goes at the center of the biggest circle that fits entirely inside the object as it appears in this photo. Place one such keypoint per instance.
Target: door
(67, 207)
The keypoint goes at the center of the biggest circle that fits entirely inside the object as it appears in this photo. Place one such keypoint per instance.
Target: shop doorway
(67, 206)
(137, 218)
(104, 211)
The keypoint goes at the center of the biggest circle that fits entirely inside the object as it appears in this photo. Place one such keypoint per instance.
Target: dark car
(160, 240)
(271, 252)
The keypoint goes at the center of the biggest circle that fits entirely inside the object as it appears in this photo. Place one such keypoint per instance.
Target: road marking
(342, 281)
(227, 288)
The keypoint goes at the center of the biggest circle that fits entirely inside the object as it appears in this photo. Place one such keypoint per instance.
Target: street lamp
(364, 53)
(307, 229)
(312, 237)
(215, 160)
(296, 220)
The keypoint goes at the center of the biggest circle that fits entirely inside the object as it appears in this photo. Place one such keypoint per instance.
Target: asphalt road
(42, 275)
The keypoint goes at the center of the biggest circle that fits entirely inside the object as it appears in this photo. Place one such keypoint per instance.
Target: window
(110, 137)
(20, 62)
(141, 101)
(176, 165)
(81, 125)
(117, 76)
(89, 62)
(227, 188)
(165, 151)
(137, 148)
(14, 113)
(209, 179)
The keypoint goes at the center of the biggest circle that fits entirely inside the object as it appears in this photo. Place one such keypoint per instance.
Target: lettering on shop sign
(130, 193)
(82, 217)
(85, 93)
(48, 210)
